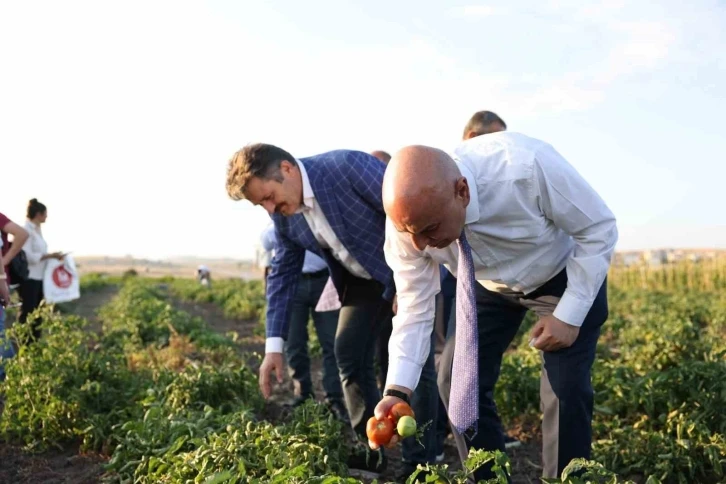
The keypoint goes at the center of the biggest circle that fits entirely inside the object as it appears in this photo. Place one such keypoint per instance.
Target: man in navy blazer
(331, 205)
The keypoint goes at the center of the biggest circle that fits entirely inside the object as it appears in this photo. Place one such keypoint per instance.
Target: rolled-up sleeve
(416, 276)
(575, 207)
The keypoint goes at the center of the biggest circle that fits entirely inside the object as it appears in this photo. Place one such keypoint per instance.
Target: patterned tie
(464, 399)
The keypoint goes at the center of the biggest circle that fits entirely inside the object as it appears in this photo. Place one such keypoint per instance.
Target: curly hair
(256, 160)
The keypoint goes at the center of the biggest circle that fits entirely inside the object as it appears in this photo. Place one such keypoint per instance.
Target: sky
(121, 116)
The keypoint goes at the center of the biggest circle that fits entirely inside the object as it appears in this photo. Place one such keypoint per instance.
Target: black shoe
(366, 463)
(511, 442)
(337, 407)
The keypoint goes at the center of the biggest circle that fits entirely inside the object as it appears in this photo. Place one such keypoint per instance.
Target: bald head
(417, 171)
(381, 155)
(421, 185)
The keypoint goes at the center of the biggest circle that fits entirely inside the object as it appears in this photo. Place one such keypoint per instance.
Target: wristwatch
(398, 394)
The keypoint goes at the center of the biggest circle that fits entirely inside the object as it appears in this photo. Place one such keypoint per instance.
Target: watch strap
(396, 393)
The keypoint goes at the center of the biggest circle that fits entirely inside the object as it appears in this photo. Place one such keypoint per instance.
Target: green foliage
(238, 299)
(659, 381)
(169, 400)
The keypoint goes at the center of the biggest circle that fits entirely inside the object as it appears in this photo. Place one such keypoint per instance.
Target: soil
(68, 466)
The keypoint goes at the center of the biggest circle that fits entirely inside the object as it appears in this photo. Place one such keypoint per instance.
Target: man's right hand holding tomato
(383, 409)
(272, 362)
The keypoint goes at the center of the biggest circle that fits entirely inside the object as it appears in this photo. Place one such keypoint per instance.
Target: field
(153, 380)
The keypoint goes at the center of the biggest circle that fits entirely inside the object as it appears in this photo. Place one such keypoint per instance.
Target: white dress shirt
(35, 248)
(530, 215)
(323, 232)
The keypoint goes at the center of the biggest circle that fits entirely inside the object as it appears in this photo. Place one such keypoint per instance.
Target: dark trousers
(31, 294)
(362, 314)
(309, 288)
(382, 352)
(566, 392)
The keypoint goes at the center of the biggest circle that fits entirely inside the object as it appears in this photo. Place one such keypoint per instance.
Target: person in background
(8, 253)
(36, 250)
(204, 276)
(264, 259)
(6, 346)
(381, 155)
(309, 289)
(483, 122)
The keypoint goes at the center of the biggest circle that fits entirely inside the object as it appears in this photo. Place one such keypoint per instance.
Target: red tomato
(379, 431)
(399, 410)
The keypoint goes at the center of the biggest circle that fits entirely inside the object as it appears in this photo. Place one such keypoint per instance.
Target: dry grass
(175, 357)
(706, 275)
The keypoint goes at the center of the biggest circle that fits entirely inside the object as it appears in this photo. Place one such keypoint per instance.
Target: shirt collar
(472, 210)
(308, 195)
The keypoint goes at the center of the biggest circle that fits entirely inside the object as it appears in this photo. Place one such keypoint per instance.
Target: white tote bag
(61, 282)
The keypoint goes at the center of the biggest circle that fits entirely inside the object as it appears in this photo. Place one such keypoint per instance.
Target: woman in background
(36, 251)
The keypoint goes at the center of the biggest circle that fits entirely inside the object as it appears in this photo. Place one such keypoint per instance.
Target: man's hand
(4, 292)
(395, 304)
(382, 409)
(552, 334)
(271, 362)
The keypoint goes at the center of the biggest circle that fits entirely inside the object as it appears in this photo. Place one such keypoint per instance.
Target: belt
(311, 275)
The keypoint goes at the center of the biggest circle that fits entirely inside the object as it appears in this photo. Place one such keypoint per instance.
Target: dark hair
(256, 160)
(381, 155)
(481, 121)
(35, 208)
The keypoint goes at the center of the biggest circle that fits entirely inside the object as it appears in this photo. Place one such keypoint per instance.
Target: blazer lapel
(299, 226)
(328, 203)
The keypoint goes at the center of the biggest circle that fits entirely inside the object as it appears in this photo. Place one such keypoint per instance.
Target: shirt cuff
(404, 373)
(274, 345)
(571, 309)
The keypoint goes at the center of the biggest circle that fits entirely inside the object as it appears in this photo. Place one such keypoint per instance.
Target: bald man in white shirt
(535, 236)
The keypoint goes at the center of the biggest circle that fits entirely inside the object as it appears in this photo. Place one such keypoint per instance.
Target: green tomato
(406, 426)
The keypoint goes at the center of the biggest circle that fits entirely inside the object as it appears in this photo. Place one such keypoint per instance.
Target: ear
(286, 167)
(469, 135)
(462, 190)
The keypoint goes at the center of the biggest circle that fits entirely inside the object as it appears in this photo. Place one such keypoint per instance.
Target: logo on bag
(62, 277)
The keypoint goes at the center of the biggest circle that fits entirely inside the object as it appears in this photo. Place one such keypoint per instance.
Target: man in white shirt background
(533, 235)
(483, 122)
(312, 281)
